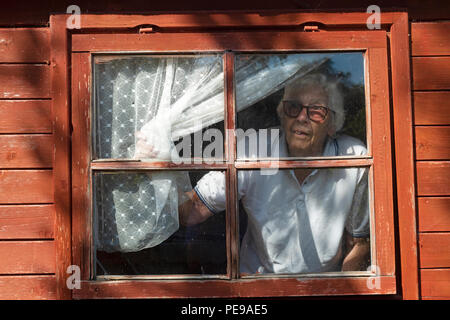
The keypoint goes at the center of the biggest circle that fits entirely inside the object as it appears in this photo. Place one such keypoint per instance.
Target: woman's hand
(358, 255)
(154, 140)
(143, 149)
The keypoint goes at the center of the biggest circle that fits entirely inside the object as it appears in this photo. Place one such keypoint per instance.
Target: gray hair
(330, 86)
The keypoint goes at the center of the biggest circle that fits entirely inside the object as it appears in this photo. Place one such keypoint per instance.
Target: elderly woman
(302, 220)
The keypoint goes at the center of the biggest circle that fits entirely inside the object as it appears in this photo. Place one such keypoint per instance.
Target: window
(163, 118)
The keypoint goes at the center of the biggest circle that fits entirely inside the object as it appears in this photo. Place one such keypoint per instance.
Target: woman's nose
(303, 115)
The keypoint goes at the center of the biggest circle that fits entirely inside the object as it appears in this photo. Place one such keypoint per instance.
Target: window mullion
(231, 173)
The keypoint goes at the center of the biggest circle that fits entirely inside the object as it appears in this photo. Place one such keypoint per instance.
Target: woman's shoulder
(348, 145)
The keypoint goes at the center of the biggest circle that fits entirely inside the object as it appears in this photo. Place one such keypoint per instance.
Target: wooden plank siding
(431, 98)
(26, 151)
(435, 250)
(24, 81)
(27, 221)
(435, 284)
(24, 45)
(431, 73)
(433, 178)
(27, 217)
(26, 186)
(25, 116)
(28, 13)
(431, 108)
(434, 213)
(27, 287)
(430, 39)
(433, 143)
(22, 257)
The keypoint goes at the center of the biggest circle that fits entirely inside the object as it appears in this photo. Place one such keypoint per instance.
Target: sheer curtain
(145, 103)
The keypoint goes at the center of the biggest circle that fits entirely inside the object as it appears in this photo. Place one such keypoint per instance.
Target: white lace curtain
(160, 99)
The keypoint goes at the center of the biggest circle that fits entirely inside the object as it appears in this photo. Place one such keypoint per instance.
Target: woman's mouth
(300, 133)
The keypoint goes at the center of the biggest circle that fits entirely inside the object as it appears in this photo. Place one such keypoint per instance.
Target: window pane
(295, 105)
(137, 227)
(304, 221)
(145, 106)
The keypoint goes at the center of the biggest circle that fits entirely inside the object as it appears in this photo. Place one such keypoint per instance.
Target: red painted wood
(61, 188)
(231, 19)
(434, 250)
(27, 222)
(81, 174)
(26, 151)
(37, 14)
(24, 45)
(26, 186)
(433, 178)
(25, 116)
(404, 157)
(282, 164)
(431, 73)
(24, 81)
(28, 287)
(246, 288)
(433, 143)
(231, 173)
(432, 108)
(220, 41)
(435, 284)
(21, 257)
(430, 38)
(434, 213)
(382, 192)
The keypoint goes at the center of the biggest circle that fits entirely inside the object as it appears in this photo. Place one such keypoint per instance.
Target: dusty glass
(158, 107)
(303, 220)
(137, 229)
(306, 98)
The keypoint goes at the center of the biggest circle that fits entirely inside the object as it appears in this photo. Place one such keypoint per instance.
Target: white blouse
(293, 227)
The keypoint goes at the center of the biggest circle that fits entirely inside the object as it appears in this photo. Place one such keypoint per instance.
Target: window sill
(273, 287)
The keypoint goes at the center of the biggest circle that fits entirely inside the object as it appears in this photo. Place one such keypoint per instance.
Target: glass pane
(304, 221)
(158, 107)
(138, 230)
(300, 105)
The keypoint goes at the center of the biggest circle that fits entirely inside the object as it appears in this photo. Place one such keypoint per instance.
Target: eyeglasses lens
(315, 113)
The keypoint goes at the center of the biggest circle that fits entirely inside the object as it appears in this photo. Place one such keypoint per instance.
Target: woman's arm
(193, 211)
(358, 253)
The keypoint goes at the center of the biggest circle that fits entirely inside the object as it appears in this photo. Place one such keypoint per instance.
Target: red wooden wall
(27, 216)
(430, 44)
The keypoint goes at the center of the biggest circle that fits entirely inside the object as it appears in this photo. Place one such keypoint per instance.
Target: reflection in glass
(304, 220)
(137, 229)
(145, 104)
(328, 86)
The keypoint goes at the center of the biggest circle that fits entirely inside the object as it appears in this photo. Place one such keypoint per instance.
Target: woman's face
(304, 137)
